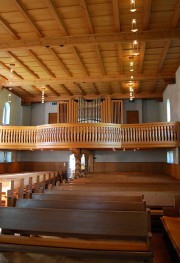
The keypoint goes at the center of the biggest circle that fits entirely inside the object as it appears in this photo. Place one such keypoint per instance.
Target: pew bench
(79, 232)
(171, 226)
(72, 204)
(86, 197)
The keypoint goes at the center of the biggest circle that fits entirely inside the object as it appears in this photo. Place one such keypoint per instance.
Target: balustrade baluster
(168, 133)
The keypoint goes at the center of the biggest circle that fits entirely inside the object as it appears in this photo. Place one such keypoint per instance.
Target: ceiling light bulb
(131, 66)
(135, 48)
(133, 8)
(134, 28)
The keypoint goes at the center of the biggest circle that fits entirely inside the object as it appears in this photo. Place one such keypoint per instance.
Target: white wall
(151, 111)
(26, 115)
(172, 93)
(43, 156)
(40, 112)
(131, 156)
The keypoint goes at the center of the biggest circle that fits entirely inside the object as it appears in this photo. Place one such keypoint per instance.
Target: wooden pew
(112, 233)
(171, 226)
(72, 204)
(155, 200)
(86, 198)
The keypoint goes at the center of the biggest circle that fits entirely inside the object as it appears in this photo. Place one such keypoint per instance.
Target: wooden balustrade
(90, 135)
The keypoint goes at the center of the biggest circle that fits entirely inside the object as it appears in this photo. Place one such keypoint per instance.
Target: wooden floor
(161, 255)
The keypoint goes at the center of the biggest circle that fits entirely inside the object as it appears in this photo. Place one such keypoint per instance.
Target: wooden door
(52, 118)
(132, 117)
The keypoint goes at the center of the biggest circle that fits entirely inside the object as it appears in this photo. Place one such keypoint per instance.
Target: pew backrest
(82, 205)
(75, 223)
(87, 198)
(91, 191)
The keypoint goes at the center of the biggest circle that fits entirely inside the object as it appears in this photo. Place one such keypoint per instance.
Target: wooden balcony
(90, 135)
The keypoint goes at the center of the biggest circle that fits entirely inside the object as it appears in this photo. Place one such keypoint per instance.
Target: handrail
(90, 135)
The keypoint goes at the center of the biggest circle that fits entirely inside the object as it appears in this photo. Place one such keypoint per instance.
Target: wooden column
(77, 154)
(86, 163)
(77, 165)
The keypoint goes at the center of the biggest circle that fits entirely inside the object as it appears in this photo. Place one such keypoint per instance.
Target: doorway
(132, 117)
(52, 118)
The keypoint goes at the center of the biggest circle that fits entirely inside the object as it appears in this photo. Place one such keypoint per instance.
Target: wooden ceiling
(76, 48)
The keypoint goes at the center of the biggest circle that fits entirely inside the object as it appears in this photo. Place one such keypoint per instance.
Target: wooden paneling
(128, 167)
(16, 167)
(172, 169)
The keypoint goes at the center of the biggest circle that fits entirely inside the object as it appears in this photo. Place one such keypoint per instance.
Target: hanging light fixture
(42, 95)
(134, 26)
(135, 48)
(131, 93)
(133, 8)
(9, 98)
(131, 66)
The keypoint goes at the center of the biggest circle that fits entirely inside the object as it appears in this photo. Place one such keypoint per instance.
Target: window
(168, 110)
(170, 157)
(6, 114)
(6, 156)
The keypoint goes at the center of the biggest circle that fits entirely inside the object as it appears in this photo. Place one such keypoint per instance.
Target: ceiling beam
(27, 17)
(93, 39)
(53, 90)
(100, 63)
(153, 86)
(108, 88)
(147, 12)
(92, 96)
(75, 53)
(13, 73)
(116, 15)
(84, 7)
(38, 90)
(8, 28)
(92, 79)
(66, 89)
(3, 78)
(176, 15)
(16, 93)
(27, 92)
(164, 54)
(93, 85)
(57, 58)
(141, 56)
(22, 64)
(57, 17)
(120, 58)
(79, 87)
(40, 63)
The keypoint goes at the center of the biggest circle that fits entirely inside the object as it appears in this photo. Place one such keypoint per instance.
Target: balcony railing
(90, 135)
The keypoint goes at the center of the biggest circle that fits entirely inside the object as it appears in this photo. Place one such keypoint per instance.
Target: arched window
(6, 156)
(168, 110)
(6, 114)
